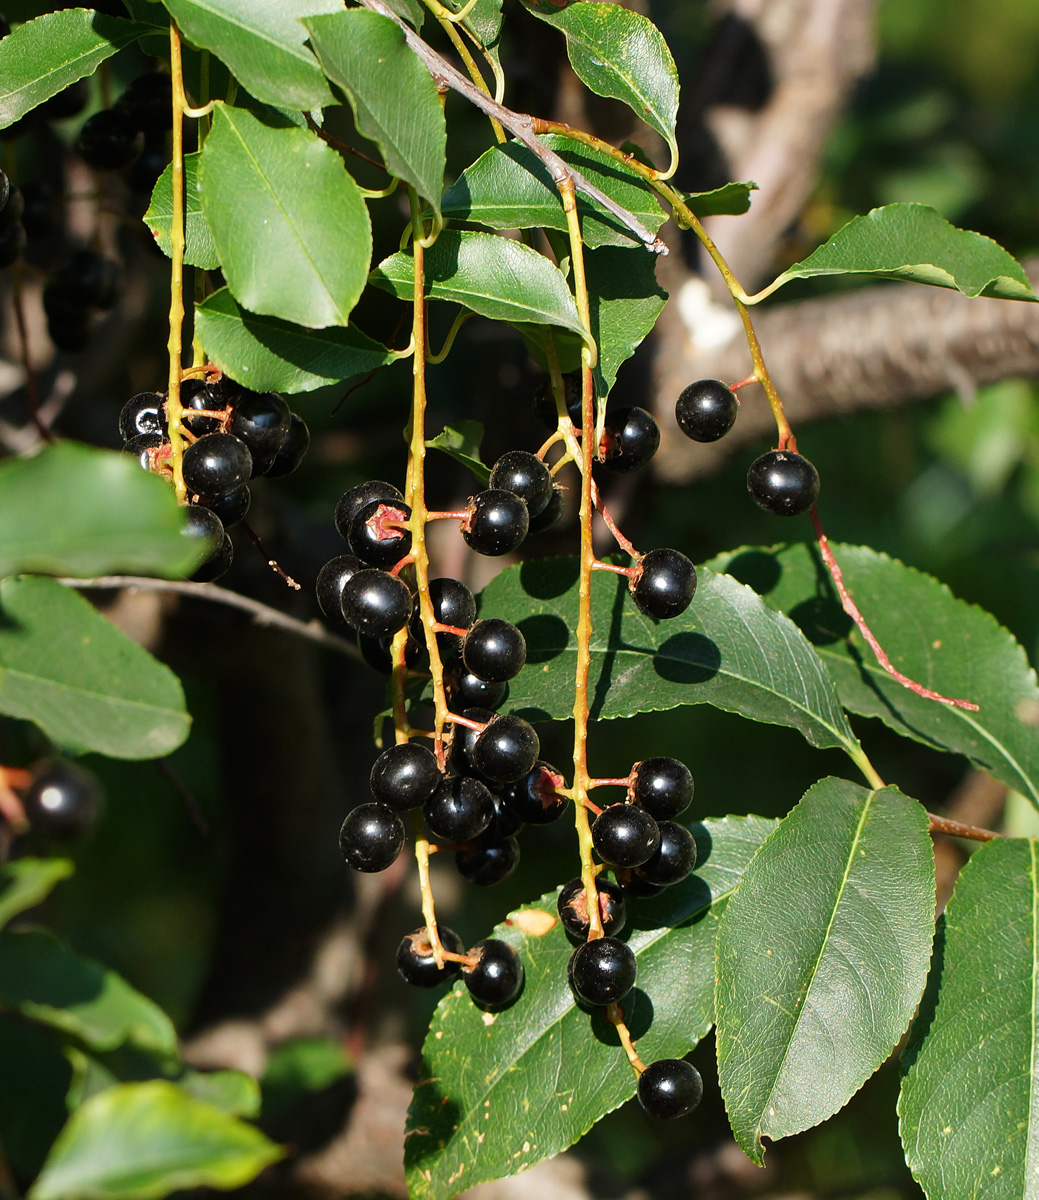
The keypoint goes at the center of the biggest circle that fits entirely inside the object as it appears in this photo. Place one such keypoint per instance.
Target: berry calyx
(61, 801)
(706, 410)
(351, 502)
(217, 464)
(375, 603)
(371, 837)
(662, 786)
(534, 798)
(572, 906)
(379, 533)
(494, 650)
(601, 972)
(496, 978)
(416, 964)
(625, 836)
(783, 483)
(487, 863)
(506, 750)
(405, 776)
(497, 522)
(670, 1088)
(630, 439)
(142, 413)
(526, 475)
(461, 809)
(664, 584)
(673, 859)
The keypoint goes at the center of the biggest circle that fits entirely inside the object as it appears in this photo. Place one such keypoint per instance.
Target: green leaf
(411, 11)
(726, 649)
(75, 510)
(508, 187)
(621, 54)
(911, 241)
(462, 441)
(822, 958)
(729, 200)
(199, 250)
(29, 881)
(625, 301)
(42, 57)
(492, 276)
(484, 20)
(232, 1092)
(497, 1093)
(269, 355)
(262, 41)
(360, 51)
(86, 685)
(970, 1094)
(924, 631)
(45, 981)
(141, 1141)
(288, 222)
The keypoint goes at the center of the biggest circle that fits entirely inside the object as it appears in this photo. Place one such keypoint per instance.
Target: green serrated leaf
(86, 685)
(269, 355)
(43, 56)
(726, 649)
(811, 1000)
(924, 634)
(262, 41)
(199, 250)
(360, 50)
(625, 301)
(499, 1093)
(411, 11)
(484, 21)
(508, 187)
(288, 222)
(911, 241)
(729, 200)
(76, 510)
(619, 53)
(45, 981)
(28, 882)
(969, 1105)
(462, 441)
(492, 276)
(141, 1141)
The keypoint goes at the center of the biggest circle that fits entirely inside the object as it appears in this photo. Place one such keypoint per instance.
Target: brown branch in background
(958, 829)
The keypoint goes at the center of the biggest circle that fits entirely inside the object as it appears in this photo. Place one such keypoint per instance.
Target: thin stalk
(448, 22)
(615, 1015)
(174, 408)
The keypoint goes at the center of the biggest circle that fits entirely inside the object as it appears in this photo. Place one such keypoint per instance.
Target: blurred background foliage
(211, 880)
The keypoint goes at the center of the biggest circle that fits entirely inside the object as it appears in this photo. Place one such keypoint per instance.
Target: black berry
(465, 690)
(351, 502)
(217, 564)
(453, 604)
(232, 507)
(630, 439)
(61, 802)
(497, 522)
(142, 413)
(216, 464)
(706, 410)
(195, 397)
(261, 420)
(331, 579)
(783, 483)
(375, 603)
(415, 961)
(40, 218)
(371, 837)
(494, 650)
(293, 449)
(377, 652)
(504, 824)
(202, 525)
(545, 402)
(664, 585)
(143, 173)
(148, 103)
(405, 776)
(572, 906)
(461, 809)
(632, 884)
(526, 475)
(625, 836)
(379, 533)
(108, 140)
(89, 279)
(662, 786)
(463, 740)
(550, 515)
(602, 972)
(487, 863)
(669, 1088)
(506, 750)
(496, 979)
(534, 798)
(140, 445)
(673, 859)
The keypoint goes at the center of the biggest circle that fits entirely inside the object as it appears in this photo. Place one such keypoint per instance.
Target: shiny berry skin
(217, 564)
(673, 859)
(464, 689)
(550, 515)
(61, 802)
(572, 906)
(196, 396)
(371, 837)
(497, 522)
(351, 502)
(625, 836)
(632, 884)
(504, 824)
(487, 863)
(375, 603)
(662, 786)
(506, 750)
(89, 279)
(601, 972)
(545, 401)
(293, 449)
(140, 444)
(670, 1088)
(453, 604)
(497, 978)
(405, 776)
(202, 525)
(142, 413)
(706, 410)
(664, 585)
(461, 809)
(463, 739)
(534, 798)
(630, 439)
(377, 654)
(379, 533)
(147, 102)
(331, 579)
(783, 483)
(261, 420)
(232, 507)
(415, 962)
(217, 464)
(524, 474)
(494, 650)
(108, 140)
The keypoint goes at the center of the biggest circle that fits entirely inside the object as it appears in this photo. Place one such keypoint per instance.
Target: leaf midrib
(296, 49)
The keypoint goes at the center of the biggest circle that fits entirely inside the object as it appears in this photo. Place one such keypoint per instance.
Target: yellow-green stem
(174, 409)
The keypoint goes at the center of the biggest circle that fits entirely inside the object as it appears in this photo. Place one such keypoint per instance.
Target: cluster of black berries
(84, 283)
(234, 435)
(133, 131)
(780, 481)
(647, 850)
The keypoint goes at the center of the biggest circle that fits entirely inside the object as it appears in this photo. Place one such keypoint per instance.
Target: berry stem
(598, 783)
(742, 383)
(273, 563)
(422, 849)
(849, 606)
(619, 537)
(615, 1016)
(599, 565)
(174, 408)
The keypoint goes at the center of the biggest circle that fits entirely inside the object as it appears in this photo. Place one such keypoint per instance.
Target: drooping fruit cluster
(234, 435)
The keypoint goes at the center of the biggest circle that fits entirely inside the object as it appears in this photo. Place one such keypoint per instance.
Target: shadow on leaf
(757, 569)
(545, 579)
(546, 636)
(687, 658)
